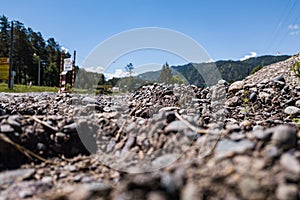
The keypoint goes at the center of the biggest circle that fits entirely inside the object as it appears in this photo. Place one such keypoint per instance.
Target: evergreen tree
(165, 74)
(4, 36)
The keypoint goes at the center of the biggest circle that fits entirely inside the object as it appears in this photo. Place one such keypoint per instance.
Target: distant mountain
(230, 70)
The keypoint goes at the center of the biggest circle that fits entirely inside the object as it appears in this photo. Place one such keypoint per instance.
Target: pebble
(251, 189)
(227, 147)
(290, 163)
(292, 110)
(284, 136)
(253, 97)
(6, 128)
(286, 192)
(236, 86)
(89, 100)
(175, 126)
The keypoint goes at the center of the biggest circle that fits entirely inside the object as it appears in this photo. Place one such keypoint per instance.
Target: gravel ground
(238, 141)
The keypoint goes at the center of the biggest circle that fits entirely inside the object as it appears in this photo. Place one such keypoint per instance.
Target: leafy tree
(165, 74)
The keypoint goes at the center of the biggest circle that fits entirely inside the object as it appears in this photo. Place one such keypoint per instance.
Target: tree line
(30, 48)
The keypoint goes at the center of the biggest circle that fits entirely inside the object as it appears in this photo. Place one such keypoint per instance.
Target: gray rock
(70, 128)
(297, 103)
(279, 78)
(292, 110)
(287, 192)
(11, 176)
(227, 147)
(263, 95)
(2, 112)
(6, 128)
(284, 137)
(175, 126)
(89, 100)
(270, 152)
(156, 195)
(236, 86)
(290, 163)
(233, 101)
(164, 160)
(190, 192)
(262, 135)
(253, 97)
(251, 189)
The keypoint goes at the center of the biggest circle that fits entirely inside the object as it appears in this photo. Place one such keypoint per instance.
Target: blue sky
(226, 29)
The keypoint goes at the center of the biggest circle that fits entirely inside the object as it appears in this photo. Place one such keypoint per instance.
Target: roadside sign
(68, 64)
(4, 68)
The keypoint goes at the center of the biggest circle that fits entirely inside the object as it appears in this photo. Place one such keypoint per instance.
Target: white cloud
(119, 73)
(294, 32)
(252, 55)
(293, 27)
(210, 60)
(95, 69)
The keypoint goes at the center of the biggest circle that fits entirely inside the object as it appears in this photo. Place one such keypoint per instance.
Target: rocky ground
(238, 141)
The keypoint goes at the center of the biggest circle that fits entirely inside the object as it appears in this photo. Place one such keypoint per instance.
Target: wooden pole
(73, 70)
(60, 70)
(10, 78)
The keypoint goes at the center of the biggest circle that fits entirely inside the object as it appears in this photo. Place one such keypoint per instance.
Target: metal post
(39, 72)
(10, 83)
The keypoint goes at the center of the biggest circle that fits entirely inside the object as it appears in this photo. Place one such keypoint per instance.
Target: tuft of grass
(24, 88)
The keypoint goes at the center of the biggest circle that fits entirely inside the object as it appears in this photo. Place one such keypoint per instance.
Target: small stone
(279, 78)
(234, 101)
(237, 136)
(2, 112)
(246, 124)
(297, 103)
(253, 97)
(227, 147)
(271, 152)
(262, 135)
(164, 160)
(175, 126)
(284, 136)
(292, 110)
(236, 86)
(6, 128)
(89, 100)
(156, 195)
(190, 192)
(47, 179)
(287, 192)
(70, 128)
(263, 95)
(251, 189)
(290, 163)
(11, 176)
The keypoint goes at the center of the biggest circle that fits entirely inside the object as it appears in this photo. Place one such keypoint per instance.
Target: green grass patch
(25, 88)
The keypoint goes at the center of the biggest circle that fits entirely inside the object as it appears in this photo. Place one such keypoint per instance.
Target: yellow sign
(4, 68)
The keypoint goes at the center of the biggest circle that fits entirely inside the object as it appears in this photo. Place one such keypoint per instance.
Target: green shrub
(296, 69)
(255, 69)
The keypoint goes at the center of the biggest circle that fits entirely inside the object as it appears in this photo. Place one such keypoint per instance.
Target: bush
(296, 69)
(255, 69)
